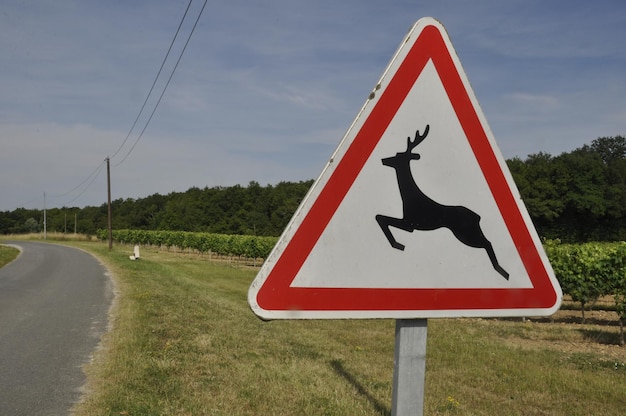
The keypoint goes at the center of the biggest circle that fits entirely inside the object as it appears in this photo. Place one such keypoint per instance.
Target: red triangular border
(276, 294)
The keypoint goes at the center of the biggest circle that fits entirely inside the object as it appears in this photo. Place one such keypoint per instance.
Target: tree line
(250, 210)
(577, 196)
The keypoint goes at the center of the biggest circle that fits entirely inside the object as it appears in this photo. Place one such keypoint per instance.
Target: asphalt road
(54, 303)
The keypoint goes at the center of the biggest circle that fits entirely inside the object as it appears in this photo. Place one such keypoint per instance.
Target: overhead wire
(165, 87)
(155, 80)
(97, 172)
(94, 174)
(24, 204)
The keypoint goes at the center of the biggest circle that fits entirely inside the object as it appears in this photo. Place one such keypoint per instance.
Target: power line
(24, 204)
(154, 82)
(80, 184)
(94, 174)
(97, 172)
(166, 85)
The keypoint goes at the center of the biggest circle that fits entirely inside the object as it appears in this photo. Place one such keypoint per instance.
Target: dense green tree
(31, 225)
(582, 176)
(578, 195)
(536, 179)
(13, 222)
(610, 149)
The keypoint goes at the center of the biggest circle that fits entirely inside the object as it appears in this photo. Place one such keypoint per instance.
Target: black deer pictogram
(419, 212)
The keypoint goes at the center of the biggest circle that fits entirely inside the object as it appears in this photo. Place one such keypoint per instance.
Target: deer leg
(466, 229)
(484, 243)
(494, 261)
(386, 222)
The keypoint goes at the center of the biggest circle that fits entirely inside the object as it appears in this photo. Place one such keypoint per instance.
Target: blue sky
(266, 89)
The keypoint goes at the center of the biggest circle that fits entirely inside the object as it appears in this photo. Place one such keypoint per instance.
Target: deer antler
(418, 138)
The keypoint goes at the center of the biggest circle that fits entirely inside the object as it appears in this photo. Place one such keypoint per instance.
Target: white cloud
(538, 102)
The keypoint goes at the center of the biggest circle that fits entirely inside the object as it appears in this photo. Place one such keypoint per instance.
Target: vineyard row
(589, 271)
(222, 244)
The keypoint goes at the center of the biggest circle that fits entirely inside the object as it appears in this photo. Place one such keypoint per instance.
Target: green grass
(488, 372)
(184, 342)
(7, 254)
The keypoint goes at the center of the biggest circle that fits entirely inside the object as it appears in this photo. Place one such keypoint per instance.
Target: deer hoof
(398, 246)
(504, 273)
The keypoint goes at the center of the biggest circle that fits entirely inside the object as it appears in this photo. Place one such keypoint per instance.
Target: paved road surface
(54, 302)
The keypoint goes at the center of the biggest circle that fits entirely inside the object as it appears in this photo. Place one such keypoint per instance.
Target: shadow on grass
(378, 406)
(600, 336)
(572, 320)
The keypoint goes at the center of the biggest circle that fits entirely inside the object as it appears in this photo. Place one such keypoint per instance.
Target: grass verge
(7, 254)
(184, 342)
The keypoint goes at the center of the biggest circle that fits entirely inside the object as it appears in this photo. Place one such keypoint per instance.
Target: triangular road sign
(416, 214)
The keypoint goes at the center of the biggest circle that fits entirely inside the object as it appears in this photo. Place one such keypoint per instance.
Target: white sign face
(416, 215)
(348, 253)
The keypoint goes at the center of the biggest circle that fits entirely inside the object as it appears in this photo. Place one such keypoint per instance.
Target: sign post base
(409, 367)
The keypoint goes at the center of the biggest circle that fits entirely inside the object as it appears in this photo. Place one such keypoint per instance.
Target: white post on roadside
(409, 367)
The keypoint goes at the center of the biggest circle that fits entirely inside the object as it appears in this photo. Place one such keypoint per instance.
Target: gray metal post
(409, 367)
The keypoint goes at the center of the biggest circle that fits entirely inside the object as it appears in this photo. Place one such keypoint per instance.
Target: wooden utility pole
(109, 203)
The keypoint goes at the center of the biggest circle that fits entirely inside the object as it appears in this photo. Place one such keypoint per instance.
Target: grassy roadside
(7, 254)
(185, 343)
